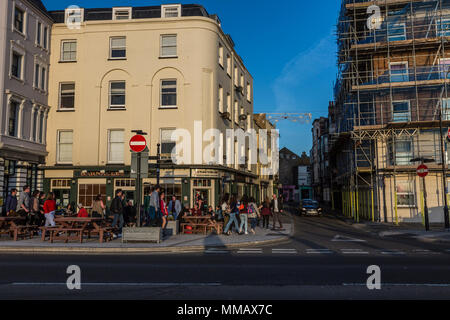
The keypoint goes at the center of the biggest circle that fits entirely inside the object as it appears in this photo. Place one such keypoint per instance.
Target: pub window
(88, 192)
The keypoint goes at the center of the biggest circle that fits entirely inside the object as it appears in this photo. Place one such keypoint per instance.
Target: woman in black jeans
(266, 213)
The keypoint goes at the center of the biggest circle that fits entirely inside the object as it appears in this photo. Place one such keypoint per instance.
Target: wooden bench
(196, 227)
(26, 231)
(217, 227)
(55, 234)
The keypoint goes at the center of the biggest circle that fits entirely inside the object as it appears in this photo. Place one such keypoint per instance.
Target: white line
(353, 251)
(402, 284)
(318, 251)
(393, 252)
(425, 251)
(138, 143)
(115, 284)
(216, 251)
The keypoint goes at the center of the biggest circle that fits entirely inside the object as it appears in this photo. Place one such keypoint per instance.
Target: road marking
(339, 238)
(318, 251)
(354, 251)
(123, 284)
(284, 251)
(425, 251)
(215, 251)
(250, 251)
(402, 284)
(393, 252)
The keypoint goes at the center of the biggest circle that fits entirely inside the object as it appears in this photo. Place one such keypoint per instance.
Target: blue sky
(288, 46)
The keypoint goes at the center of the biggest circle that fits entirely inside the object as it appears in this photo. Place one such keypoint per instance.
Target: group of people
(38, 208)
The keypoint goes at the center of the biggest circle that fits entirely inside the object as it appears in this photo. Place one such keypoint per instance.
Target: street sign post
(422, 171)
(139, 167)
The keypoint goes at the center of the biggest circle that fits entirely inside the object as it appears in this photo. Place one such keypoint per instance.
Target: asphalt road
(325, 259)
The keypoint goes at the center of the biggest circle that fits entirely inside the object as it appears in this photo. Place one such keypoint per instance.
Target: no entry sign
(422, 171)
(138, 143)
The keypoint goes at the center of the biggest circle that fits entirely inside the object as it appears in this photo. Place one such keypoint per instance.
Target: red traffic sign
(448, 134)
(422, 171)
(138, 143)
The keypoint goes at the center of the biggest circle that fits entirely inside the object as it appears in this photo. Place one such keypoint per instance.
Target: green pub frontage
(82, 184)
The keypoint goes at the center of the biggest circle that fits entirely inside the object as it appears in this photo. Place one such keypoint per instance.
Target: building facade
(289, 163)
(390, 95)
(155, 69)
(24, 68)
(320, 165)
(305, 190)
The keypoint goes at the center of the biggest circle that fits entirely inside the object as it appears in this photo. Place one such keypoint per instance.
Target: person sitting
(211, 213)
(82, 212)
(69, 210)
(129, 213)
(196, 212)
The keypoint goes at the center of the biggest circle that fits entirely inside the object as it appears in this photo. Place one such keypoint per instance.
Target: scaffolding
(390, 92)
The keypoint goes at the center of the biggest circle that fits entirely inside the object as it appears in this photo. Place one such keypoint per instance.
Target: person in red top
(164, 211)
(49, 210)
(196, 212)
(82, 212)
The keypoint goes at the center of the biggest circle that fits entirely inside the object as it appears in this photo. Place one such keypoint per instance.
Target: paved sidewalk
(178, 243)
(412, 230)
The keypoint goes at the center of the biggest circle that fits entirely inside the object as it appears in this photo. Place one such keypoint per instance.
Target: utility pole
(158, 163)
(422, 172)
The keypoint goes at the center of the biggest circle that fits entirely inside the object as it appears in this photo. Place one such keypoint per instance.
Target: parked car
(309, 207)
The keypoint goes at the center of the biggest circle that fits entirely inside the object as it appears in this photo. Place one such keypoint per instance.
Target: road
(325, 259)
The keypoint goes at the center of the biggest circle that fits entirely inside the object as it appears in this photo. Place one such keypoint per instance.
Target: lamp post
(425, 209)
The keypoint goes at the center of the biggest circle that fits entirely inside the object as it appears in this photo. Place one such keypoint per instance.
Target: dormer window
(171, 11)
(74, 16)
(121, 13)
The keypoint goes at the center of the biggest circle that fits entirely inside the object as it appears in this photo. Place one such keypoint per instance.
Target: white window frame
(109, 147)
(122, 9)
(39, 31)
(442, 33)
(61, 58)
(413, 192)
(25, 18)
(45, 36)
(116, 107)
(37, 75)
(401, 24)
(117, 48)
(161, 46)
(399, 63)
(409, 109)
(164, 7)
(229, 65)
(445, 105)
(60, 92)
(220, 99)
(20, 52)
(249, 92)
(229, 103)
(58, 137)
(221, 51)
(161, 94)
(69, 10)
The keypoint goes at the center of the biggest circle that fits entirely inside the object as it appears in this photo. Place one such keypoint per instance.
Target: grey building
(321, 178)
(24, 65)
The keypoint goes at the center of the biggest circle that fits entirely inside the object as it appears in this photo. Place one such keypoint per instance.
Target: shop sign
(102, 173)
(205, 173)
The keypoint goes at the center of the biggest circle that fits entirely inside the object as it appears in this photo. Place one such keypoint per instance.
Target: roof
(40, 6)
(92, 14)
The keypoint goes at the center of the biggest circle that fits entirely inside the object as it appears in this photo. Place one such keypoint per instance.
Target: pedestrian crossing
(322, 251)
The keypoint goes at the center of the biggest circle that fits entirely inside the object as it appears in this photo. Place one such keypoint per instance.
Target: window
(169, 45)
(220, 94)
(12, 121)
(43, 79)
(41, 128)
(249, 92)
(118, 49)
(45, 37)
(167, 145)
(405, 193)
(36, 75)
(229, 103)
(443, 27)
(399, 71)
(236, 78)
(444, 68)
(170, 11)
(39, 33)
(236, 111)
(228, 65)
(121, 13)
(68, 50)
(35, 124)
(402, 152)
(445, 109)
(116, 146)
(61, 183)
(242, 80)
(221, 54)
(88, 192)
(400, 111)
(396, 31)
(67, 96)
(16, 65)
(64, 147)
(117, 94)
(19, 18)
(168, 93)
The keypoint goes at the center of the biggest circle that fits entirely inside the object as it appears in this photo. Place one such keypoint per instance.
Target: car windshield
(310, 203)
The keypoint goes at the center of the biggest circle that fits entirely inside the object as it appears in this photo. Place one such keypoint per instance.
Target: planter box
(141, 235)
(172, 228)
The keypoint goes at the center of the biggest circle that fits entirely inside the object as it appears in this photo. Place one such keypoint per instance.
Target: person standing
(253, 214)
(24, 204)
(164, 211)
(234, 210)
(154, 206)
(174, 207)
(243, 215)
(35, 209)
(274, 206)
(98, 208)
(266, 213)
(225, 209)
(117, 210)
(11, 202)
(49, 210)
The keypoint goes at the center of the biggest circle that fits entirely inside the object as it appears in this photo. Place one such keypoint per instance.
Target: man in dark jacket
(117, 210)
(11, 202)
(275, 207)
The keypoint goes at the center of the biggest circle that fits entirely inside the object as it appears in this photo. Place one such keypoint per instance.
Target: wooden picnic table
(201, 224)
(66, 226)
(14, 226)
